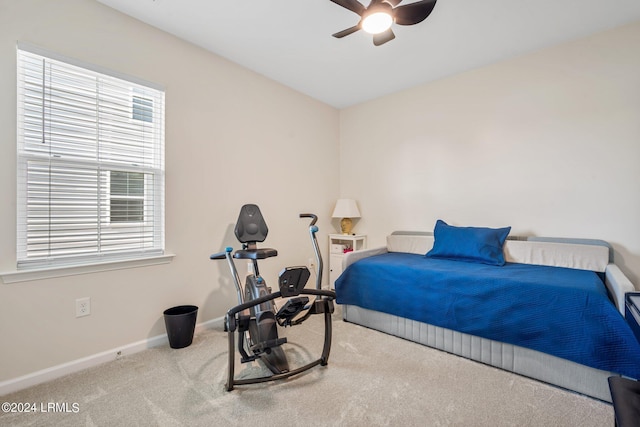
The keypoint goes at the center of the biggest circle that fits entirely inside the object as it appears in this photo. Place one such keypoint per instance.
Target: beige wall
(548, 143)
(232, 137)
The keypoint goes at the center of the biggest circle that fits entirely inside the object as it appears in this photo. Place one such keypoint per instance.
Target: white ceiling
(290, 40)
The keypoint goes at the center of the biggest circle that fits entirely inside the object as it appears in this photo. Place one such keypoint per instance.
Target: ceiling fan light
(377, 22)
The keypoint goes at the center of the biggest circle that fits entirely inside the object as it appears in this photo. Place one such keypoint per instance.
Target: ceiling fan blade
(383, 37)
(343, 33)
(393, 3)
(413, 13)
(352, 5)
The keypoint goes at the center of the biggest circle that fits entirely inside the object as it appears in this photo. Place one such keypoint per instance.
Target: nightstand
(339, 244)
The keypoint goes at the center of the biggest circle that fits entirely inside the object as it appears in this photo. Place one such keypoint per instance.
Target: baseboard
(48, 374)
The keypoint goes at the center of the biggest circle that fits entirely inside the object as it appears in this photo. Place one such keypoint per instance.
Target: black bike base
(322, 305)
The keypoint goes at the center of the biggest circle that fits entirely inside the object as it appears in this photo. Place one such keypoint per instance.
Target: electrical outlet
(83, 307)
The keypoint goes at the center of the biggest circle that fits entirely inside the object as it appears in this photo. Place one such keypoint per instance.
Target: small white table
(338, 243)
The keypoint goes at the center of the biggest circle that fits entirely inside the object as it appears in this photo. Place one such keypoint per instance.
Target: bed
(551, 310)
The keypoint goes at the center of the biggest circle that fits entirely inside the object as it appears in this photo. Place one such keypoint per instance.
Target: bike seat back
(250, 229)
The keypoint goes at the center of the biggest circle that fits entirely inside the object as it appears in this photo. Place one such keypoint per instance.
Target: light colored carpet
(372, 379)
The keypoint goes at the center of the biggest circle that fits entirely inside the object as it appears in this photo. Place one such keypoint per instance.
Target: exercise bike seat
(250, 229)
(261, 253)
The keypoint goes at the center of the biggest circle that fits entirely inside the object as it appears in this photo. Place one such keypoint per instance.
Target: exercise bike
(256, 317)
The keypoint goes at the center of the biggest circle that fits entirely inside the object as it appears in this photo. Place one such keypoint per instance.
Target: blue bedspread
(559, 311)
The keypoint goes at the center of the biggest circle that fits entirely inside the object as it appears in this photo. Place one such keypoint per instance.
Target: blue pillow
(470, 244)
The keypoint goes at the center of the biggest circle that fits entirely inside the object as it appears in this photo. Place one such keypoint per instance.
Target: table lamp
(346, 209)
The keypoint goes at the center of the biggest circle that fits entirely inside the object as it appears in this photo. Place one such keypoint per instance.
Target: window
(127, 197)
(90, 164)
(142, 109)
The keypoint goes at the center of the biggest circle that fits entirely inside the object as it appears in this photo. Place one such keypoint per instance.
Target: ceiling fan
(377, 18)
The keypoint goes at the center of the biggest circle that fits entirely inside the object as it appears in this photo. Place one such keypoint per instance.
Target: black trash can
(180, 322)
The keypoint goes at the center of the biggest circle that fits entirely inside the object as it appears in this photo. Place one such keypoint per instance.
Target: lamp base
(345, 225)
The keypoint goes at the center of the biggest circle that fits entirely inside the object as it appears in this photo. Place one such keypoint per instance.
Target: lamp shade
(346, 208)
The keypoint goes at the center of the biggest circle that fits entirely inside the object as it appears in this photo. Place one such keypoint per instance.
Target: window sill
(50, 273)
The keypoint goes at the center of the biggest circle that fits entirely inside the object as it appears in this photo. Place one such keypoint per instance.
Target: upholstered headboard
(582, 254)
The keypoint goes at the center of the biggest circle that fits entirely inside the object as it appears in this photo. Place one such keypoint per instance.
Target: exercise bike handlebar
(310, 215)
(313, 229)
(236, 277)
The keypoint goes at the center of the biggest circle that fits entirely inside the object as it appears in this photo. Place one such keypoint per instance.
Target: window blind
(90, 165)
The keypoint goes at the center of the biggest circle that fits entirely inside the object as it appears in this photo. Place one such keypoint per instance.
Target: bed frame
(593, 255)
